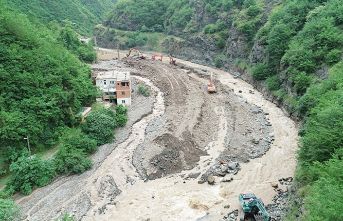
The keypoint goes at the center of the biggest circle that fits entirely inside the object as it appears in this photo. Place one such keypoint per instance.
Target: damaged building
(115, 86)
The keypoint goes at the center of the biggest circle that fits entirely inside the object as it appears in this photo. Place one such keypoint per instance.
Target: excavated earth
(184, 155)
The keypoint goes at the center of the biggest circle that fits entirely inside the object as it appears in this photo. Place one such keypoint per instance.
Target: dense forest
(84, 14)
(293, 48)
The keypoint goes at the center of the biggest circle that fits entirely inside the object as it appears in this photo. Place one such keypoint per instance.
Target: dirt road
(153, 171)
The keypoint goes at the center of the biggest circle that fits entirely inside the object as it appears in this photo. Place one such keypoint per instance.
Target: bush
(220, 42)
(210, 29)
(75, 138)
(219, 60)
(273, 83)
(29, 172)
(121, 120)
(71, 160)
(301, 82)
(261, 72)
(121, 115)
(321, 202)
(100, 125)
(9, 211)
(143, 90)
(67, 217)
(323, 131)
(121, 109)
(333, 56)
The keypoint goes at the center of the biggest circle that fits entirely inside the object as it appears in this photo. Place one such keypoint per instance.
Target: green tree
(100, 125)
(30, 172)
(9, 211)
(71, 160)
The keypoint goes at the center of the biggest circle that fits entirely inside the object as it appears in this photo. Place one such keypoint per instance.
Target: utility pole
(118, 51)
(28, 144)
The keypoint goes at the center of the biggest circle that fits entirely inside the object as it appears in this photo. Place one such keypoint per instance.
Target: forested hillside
(44, 86)
(293, 48)
(84, 14)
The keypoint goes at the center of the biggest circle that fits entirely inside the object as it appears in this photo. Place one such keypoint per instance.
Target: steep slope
(83, 13)
(45, 85)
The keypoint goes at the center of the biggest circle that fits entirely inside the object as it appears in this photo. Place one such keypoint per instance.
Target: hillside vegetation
(292, 47)
(84, 14)
(45, 85)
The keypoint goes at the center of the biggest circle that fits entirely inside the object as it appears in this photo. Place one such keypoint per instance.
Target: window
(111, 82)
(123, 93)
(122, 83)
(123, 101)
(104, 82)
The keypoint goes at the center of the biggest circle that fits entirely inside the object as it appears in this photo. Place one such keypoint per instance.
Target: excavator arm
(252, 208)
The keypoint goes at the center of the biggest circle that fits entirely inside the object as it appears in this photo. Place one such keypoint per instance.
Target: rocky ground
(176, 140)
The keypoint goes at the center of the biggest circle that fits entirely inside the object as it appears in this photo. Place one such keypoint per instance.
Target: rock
(275, 185)
(201, 181)
(240, 91)
(227, 178)
(224, 167)
(233, 165)
(194, 175)
(255, 110)
(227, 206)
(211, 180)
(255, 141)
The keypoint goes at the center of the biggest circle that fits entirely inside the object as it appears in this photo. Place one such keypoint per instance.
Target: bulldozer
(211, 88)
(252, 208)
(134, 52)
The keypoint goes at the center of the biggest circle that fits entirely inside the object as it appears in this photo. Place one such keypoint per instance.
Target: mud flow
(184, 155)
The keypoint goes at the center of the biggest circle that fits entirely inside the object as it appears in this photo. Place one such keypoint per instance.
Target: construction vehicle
(158, 57)
(135, 53)
(172, 60)
(211, 88)
(252, 209)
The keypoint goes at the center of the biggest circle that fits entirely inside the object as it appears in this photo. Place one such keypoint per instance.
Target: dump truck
(252, 208)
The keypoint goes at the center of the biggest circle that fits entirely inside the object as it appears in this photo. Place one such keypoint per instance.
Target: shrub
(100, 125)
(273, 83)
(323, 131)
(260, 72)
(75, 138)
(220, 42)
(121, 120)
(333, 56)
(71, 160)
(29, 172)
(67, 217)
(323, 193)
(121, 115)
(301, 82)
(9, 211)
(121, 109)
(143, 90)
(219, 60)
(210, 29)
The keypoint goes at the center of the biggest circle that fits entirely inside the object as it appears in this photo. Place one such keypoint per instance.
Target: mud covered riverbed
(176, 138)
